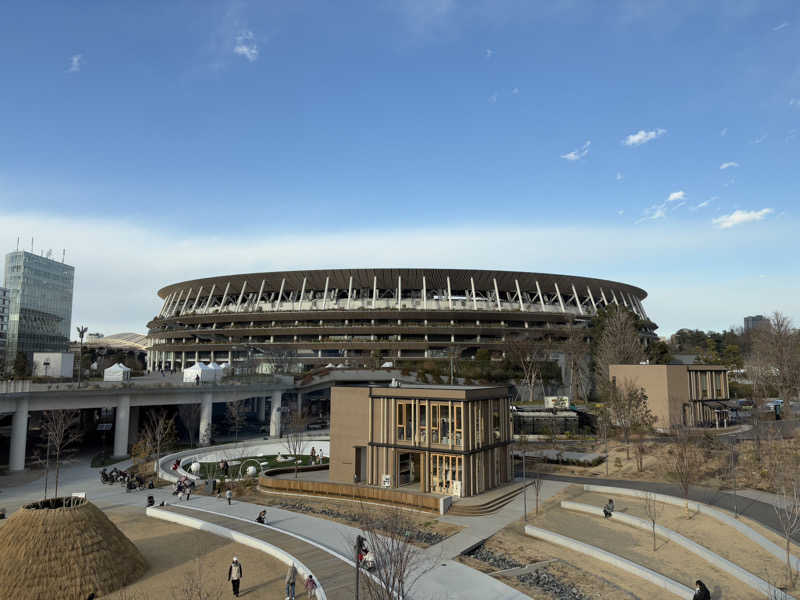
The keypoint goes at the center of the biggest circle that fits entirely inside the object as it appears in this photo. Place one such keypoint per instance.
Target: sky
(650, 142)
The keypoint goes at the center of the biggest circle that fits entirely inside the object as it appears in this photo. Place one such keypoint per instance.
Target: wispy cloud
(675, 196)
(759, 139)
(728, 165)
(703, 204)
(579, 153)
(620, 176)
(493, 98)
(739, 217)
(642, 137)
(620, 212)
(75, 62)
(488, 53)
(781, 26)
(514, 91)
(246, 46)
(794, 102)
(724, 132)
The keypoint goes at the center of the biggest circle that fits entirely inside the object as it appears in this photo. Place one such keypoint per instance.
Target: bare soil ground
(175, 553)
(429, 529)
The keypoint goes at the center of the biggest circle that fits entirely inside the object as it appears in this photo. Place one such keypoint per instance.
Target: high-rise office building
(5, 299)
(754, 321)
(40, 308)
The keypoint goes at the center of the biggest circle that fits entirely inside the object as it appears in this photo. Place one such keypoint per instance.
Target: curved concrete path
(335, 576)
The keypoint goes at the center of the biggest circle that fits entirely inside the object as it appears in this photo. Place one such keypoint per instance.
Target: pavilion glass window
(423, 424)
(458, 436)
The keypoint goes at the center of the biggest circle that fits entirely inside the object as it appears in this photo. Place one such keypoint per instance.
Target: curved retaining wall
(748, 578)
(166, 461)
(703, 509)
(665, 583)
(239, 538)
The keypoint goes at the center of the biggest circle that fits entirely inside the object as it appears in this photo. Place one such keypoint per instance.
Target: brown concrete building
(692, 395)
(451, 440)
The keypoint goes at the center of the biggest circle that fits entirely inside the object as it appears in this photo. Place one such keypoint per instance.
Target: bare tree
(196, 585)
(618, 344)
(295, 430)
(158, 435)
(399, 564)
(653, 510)
(61, 429)
(190, 417)
(236, 416)
(778, 342)
(577, 354)
(629, 411)
(537, 481)
(783, 468)
(731, 464)
(639, 451)
(603, 425)
(527, 354)
(684, 460)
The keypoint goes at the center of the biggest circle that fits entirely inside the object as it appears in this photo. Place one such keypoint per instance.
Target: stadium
(358, 317)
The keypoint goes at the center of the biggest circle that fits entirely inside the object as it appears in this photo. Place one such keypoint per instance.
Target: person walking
(235, 573)
(701, 591)
(608, 509)
(311, 587)
(262, 517)
(228, 496)
(291, 575)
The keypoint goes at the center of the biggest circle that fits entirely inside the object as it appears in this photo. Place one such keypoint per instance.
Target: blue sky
(655, 143)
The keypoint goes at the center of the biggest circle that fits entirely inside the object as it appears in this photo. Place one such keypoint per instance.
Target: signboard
(387, 481)
(104, 427)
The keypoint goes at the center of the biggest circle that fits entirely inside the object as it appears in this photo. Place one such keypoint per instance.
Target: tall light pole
(81, 332)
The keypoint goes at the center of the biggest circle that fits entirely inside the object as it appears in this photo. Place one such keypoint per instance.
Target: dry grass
(344, 511)
(56, 551)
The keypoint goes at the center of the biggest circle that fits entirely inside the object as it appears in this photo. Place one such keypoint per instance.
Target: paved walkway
(336, 576)
(753, 507)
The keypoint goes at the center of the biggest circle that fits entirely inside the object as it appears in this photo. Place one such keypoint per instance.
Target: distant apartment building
(40, 307)
(693, 395)
(754, 321)
(5, 300)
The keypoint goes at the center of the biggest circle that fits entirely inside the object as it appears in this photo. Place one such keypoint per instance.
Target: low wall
(739, 573)
(239, 538)
(703, 509)
(665, 583)
(351, 491)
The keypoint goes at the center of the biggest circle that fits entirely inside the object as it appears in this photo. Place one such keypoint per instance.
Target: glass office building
(40, 308)
(5, 300)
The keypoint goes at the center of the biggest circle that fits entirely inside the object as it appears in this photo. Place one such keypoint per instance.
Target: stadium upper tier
(345, 313)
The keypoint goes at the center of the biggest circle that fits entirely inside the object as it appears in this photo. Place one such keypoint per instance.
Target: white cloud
(489, 53)
(728, 165)
(759, 139)
(579, 153)
(679, 195)
(620, 176)
(738, 217)
(794, 102)
(781, 26)
(620, 212)
(724, 132)
(246, 46)
(75, 63)
(642, 137)
(703, 204)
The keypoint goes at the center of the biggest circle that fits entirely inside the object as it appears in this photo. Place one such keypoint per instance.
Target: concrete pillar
(19, 436)
(262, 410)
(123, 416)
(299, 403)
(205, 419)
(275, 416)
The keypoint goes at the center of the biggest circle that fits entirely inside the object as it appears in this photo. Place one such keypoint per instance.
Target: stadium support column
(206, 408)
(121, 425)
(262, 410)
(275, 415)
(299, 403)
(19, 436)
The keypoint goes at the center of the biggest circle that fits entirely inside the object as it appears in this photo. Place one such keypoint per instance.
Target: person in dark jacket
(701, 591)
(235, 574)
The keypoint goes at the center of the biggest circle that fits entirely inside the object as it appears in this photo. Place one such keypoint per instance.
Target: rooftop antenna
(17, 243)
(63, 254)
(32, 251)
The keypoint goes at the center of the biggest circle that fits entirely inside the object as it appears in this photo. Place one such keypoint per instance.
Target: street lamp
(81, 332)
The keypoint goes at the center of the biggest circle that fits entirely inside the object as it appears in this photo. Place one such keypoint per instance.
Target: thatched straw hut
(64, 548)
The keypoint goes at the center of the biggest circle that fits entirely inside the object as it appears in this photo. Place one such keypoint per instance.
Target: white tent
(200, 370)
(117, 372)
(216, 370)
